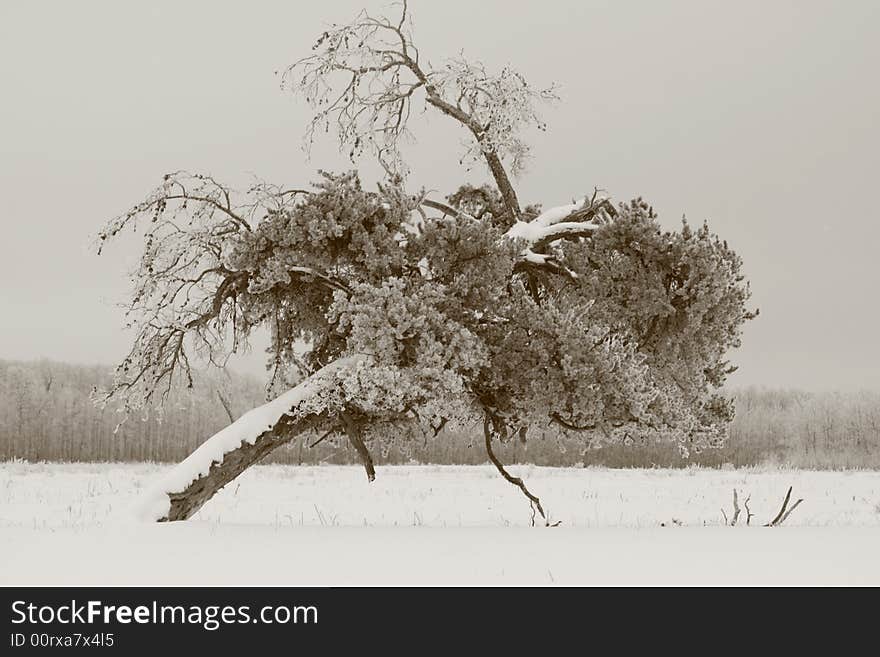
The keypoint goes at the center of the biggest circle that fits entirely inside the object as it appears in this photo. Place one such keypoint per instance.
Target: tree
(418, 312)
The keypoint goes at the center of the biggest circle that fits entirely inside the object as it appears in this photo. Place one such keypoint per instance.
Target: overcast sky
(760, 117)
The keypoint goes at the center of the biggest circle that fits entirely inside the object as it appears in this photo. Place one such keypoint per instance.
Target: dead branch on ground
(782, 516)
(777, 521)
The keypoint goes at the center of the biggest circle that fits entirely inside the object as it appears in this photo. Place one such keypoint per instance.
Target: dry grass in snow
(440, 525)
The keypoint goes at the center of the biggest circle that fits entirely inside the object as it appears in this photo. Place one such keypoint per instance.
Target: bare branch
(364, 76)
(225, 403)
(444, 208)
(782, 510)
(565, 424)
(735, 510)
(326, 435)
(789, 512)
(783, 514)
(354, 432)
(516, 481)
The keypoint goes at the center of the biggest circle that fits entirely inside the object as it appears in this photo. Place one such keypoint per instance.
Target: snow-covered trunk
(228, 453)
(184, 503)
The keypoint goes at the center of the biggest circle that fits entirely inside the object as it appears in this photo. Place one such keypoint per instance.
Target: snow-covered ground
(69, 524)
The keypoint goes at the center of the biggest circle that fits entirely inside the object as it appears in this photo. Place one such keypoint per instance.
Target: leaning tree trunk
(227, 454)
(186, 502)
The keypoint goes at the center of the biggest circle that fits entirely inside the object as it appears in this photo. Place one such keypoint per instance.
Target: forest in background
(47, 414)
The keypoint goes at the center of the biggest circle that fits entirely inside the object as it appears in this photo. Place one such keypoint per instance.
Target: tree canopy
(590, 317)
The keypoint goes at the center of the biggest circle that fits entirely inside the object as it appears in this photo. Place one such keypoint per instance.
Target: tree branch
(516, 481)
(382, 73)
(735, 509)
(782, 516)
(444, 208)
(225, 403)
(354, 432)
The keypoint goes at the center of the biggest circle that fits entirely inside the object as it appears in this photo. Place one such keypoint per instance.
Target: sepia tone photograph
(428, 294)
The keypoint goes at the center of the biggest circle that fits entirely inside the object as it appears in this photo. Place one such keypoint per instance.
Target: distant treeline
(46, 414)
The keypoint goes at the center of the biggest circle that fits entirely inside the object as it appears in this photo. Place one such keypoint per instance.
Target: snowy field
(70, 524)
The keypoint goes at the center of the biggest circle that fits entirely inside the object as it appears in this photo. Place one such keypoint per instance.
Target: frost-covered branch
(364, 77)
(187, 293)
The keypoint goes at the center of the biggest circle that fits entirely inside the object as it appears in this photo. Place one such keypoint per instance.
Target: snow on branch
(572, 221)
(154, 504)
(575, 219)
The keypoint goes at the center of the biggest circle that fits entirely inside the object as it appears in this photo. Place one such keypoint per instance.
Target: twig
(325, 436)
(225, 404)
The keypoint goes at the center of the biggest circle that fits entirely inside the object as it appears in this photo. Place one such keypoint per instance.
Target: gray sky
(761, 117)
